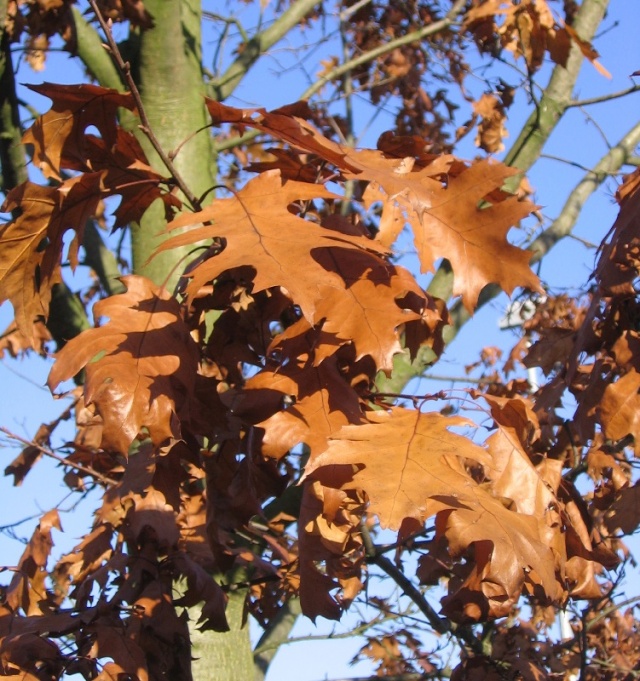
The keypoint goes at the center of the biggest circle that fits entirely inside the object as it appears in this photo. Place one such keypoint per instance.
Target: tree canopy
(240, 385)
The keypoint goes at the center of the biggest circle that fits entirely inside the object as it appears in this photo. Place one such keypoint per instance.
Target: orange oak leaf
(32, 244)
(588, 51)
(508, 547)
(140, 366)
(411, 466)
(408, 463)
(491, 129)
(466, 222)
(60, 132)
(28, 583)
(286, 124)
(261, 232)
(368, 312)
(624, 513)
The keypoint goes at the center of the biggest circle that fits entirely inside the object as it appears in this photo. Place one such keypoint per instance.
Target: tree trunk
(171, 85)
(227, 656)
(169, 77)
(12, 157)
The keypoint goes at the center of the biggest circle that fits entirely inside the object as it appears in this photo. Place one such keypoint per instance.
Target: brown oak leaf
(407, 463)
(411, 466)
(33, 244)
(465, 221)
(322, 402)
(140, 366)
(368, 312)
(60, 132)
(619, 409)
(263, 233)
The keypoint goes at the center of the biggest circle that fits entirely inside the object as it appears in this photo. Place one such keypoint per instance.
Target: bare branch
(557, 95)
(91, 51)
(61, 459)
(441, 625)
(609, 164)
(603, 98)
(258, 45)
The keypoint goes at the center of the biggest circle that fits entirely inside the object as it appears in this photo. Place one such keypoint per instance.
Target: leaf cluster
(236, 425)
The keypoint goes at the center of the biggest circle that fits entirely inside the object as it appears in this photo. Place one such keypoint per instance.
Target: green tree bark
(170, 81)
(224, 656)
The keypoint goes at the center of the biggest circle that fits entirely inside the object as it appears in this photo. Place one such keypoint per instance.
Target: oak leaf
(465, 221)
(140, 366)
(125, 171)
(509, 547)
(619, 409)
(27, 586)
(491, 129)
(330, 547)
(368, 312)
(60, 132)
(406, 463)
(321, 403)
(624, 513)
(411, 466)
(261, 232)
(32, 244)
(15, 343)
(111, 641)
(286, 124)
(201, 587)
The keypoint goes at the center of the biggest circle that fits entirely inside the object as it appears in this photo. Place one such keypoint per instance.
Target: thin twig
(441, 625)
(603, 98)
(356, 631)
(125, 70)
(61, 459)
